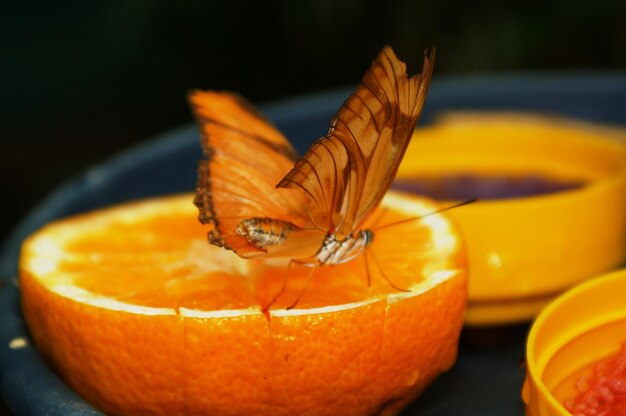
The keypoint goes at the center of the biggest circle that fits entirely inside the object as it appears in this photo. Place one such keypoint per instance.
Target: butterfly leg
(379, 218)
(284, 285)
(367, 269)
(280, 291)
(313, 267)
(382, 273)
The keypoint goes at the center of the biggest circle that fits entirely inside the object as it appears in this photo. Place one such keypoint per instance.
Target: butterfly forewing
(347, 172)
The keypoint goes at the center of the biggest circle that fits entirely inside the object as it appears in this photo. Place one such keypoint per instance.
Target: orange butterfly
(260, 204)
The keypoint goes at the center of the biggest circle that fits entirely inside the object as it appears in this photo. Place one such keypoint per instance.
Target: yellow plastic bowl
(581, 327)
(525, 251)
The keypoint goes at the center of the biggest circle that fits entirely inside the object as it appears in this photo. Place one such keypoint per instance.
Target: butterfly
(261, 200)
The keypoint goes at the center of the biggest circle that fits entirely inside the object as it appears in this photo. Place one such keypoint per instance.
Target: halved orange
(140, 315)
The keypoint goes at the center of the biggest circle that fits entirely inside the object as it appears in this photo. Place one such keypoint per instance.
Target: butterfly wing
(346, 173)
(245, 156)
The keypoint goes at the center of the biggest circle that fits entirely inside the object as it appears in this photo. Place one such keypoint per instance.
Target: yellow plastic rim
(525, 251)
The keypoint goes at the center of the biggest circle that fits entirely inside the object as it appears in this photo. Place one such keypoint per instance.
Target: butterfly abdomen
(264, 232)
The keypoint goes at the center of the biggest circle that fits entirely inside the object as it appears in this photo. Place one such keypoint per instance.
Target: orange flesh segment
(161, 258)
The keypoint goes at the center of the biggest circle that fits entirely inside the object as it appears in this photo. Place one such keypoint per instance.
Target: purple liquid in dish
(468, 186)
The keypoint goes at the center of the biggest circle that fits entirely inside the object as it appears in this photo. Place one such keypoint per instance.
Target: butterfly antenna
(304, 289)
(460, 204)
(378, 219)
(382, 273)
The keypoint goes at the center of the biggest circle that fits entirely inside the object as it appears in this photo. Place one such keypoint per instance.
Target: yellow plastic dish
(525, 251)
(581, 327)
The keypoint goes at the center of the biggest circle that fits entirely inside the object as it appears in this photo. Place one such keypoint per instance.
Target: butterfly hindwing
(245, 158)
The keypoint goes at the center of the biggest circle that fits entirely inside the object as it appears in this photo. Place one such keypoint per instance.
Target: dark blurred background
(80, 81)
